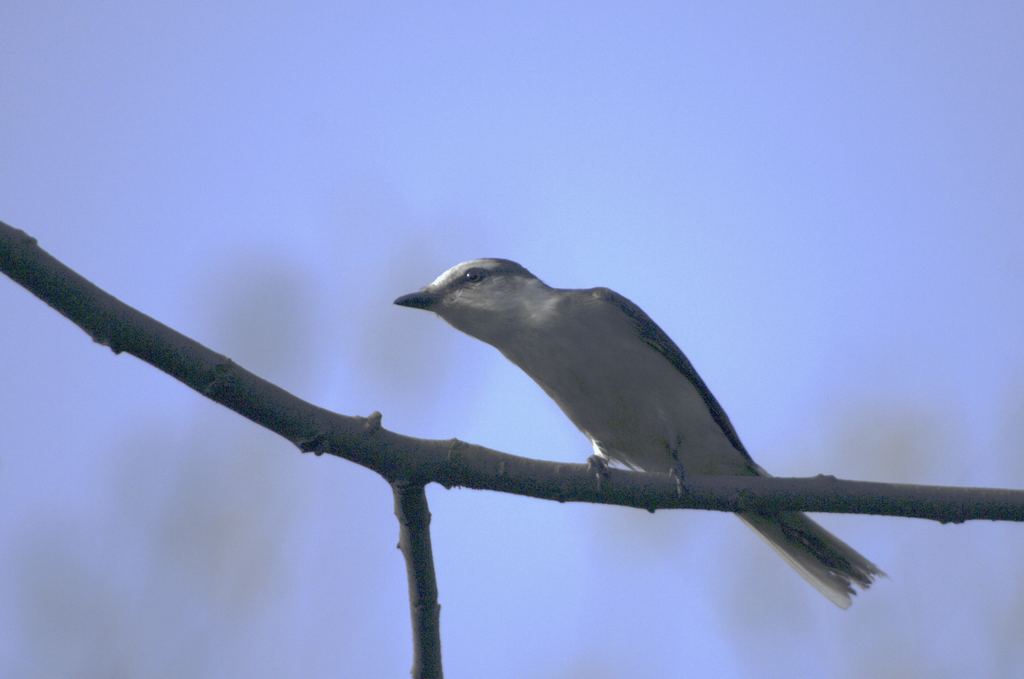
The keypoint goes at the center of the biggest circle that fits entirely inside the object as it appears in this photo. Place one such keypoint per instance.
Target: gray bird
(627, 386)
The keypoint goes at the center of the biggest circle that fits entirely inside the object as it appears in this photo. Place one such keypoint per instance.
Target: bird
(631, 391)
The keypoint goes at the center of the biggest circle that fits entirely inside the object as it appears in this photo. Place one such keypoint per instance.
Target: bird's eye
(473, 275)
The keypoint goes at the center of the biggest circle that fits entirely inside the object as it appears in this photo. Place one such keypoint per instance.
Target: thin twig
(452, 462)
(414, 540)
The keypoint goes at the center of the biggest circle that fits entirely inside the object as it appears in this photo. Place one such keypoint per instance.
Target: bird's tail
(825, 561)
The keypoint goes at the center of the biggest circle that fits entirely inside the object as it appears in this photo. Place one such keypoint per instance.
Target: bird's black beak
(417, 300)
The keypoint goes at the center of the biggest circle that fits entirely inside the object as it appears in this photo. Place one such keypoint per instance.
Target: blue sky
(821, 204)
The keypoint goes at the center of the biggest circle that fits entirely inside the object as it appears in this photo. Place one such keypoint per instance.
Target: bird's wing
(656, 338)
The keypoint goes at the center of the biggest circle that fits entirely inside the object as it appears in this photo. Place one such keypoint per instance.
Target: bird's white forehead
(489, 264)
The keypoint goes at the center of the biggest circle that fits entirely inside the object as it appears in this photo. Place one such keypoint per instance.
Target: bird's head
(485, 298)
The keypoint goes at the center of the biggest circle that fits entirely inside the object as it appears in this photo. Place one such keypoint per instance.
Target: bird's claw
(598, 466)
(678, 474)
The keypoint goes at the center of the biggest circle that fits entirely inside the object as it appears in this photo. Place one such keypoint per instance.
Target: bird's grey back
(659, 341)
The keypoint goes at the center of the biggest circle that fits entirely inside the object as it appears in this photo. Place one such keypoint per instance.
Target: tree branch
(452, 462)
(414, 541)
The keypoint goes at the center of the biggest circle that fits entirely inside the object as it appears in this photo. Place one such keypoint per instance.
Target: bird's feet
(677, 473)
(598, 466)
